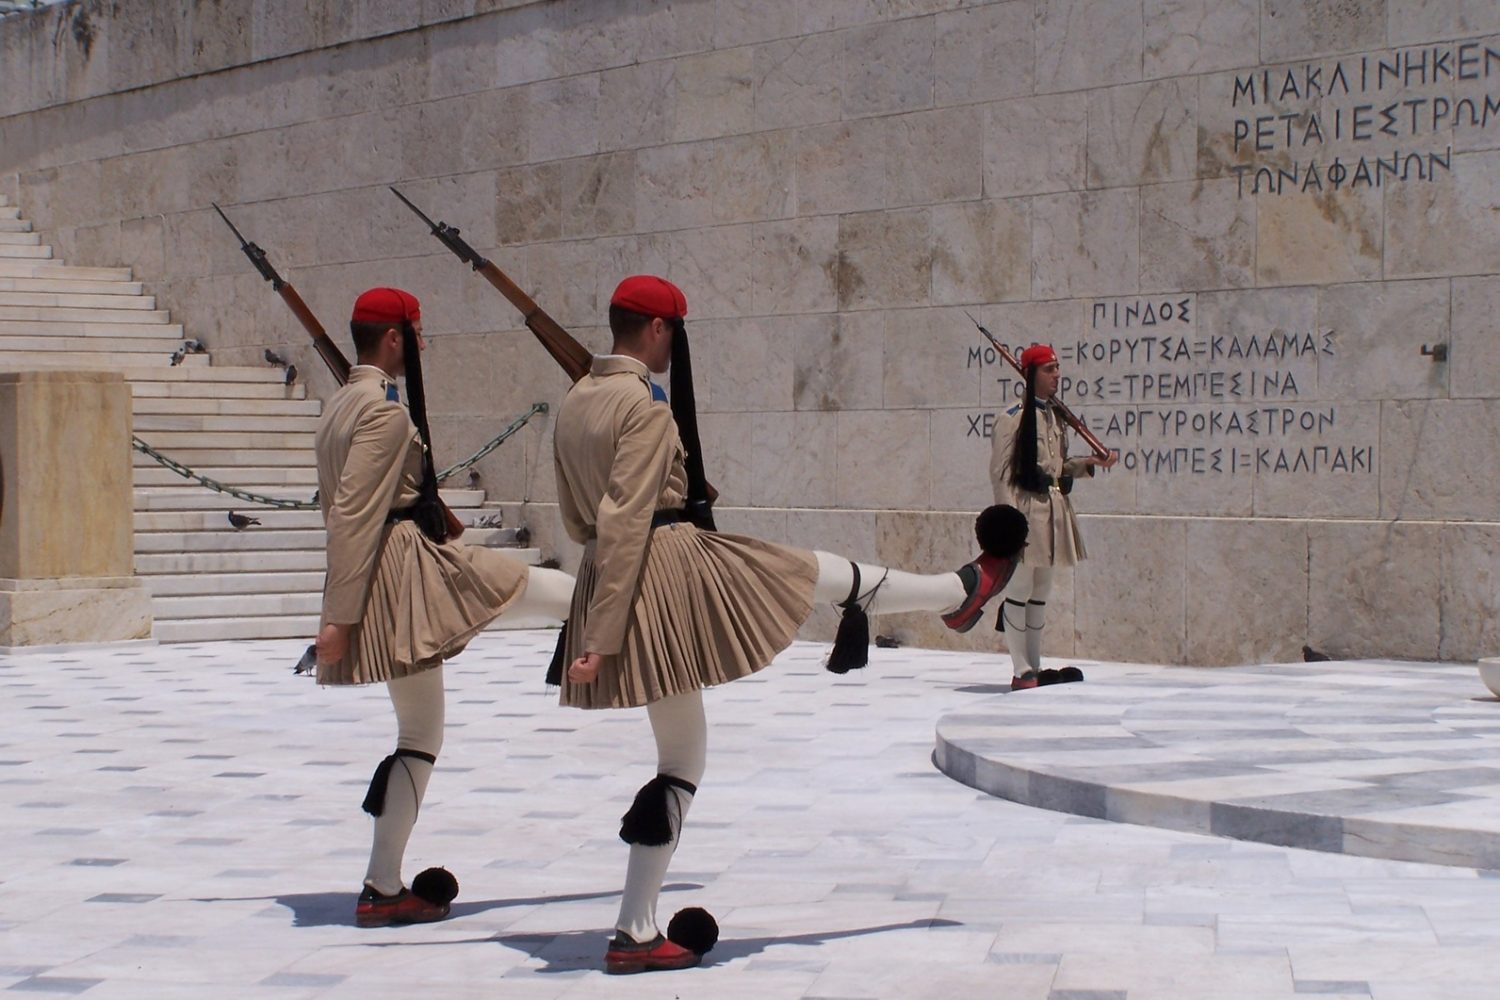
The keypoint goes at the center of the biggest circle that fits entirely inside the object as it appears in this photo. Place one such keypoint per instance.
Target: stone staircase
(243, 427)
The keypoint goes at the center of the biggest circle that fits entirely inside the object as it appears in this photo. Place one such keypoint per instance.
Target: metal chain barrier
(280, 503)
(496, 442)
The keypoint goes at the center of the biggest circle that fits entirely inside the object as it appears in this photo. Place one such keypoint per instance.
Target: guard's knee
(650, 820)
(374, 803)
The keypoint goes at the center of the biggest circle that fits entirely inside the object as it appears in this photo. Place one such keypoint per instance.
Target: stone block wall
(1240, 221)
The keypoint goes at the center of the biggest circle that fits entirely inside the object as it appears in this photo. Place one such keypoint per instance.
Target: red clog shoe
(983, 579)
(375, 910)
(626, 957)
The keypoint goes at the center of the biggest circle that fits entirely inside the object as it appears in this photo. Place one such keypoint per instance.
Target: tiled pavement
(1382, 759)
(183, 822)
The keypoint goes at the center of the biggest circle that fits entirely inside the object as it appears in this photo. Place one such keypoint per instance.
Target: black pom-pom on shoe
(435, 885)
(1048, 676)
(1069, 675)
(1001, 530)
(695, 929)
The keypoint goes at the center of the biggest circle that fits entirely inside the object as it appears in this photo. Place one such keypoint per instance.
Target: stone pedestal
(65, 511)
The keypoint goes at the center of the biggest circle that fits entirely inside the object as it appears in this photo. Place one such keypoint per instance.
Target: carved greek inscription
(1303, 127)
(1179, 400)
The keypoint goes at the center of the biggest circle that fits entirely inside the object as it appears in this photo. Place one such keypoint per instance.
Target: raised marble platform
(1383, 759)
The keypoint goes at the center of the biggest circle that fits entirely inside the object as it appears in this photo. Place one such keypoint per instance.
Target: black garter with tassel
(648, 821)
(851, 643)
(555, 668)
(374, 803)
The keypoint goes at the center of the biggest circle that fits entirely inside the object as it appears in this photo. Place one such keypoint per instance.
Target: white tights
(900, 591)
(418, 700)
(681, 732)
(1023, 611)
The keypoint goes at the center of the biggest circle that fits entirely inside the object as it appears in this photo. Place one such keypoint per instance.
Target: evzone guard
(1031, 471)
(664, 606)
(401, 596)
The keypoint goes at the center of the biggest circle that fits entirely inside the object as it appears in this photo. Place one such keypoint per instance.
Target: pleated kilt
(711, 608)
(426, 602)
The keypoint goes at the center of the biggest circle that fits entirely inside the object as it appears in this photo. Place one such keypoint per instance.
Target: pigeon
(240, 522)
(523, 536)
(291, 374)
(178, 355)
(489, 521)
(194, 347)
(474, 477)
(550, 562)
(272, 358)
(887, 642)
(309, 661)
(1310, 655)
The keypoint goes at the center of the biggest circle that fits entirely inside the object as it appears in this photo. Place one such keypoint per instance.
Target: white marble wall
(835, 184)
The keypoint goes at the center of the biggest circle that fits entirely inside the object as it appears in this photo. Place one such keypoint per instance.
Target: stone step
(146, 388)
(57, 269)
(221, 374)
(261, 540)
(78, 300)
(288, 627)
(168, 440)
(193, 496)
(187, 584)
(163, 346)
(26, 253)
(95, 360)
(83, 286)
(205, 422)
(207, 406)
(294, 480)
(9, 211)
(21, 239)
(236, 606)
(66, 314)
(288, 560)
(13, 223)
(215, 629)
(151, 564)
(198, 459)
(113, 331)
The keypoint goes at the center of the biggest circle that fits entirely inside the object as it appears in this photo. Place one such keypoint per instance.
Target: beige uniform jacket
(1053, 539)
(411, 602)
(618, 461)
(369, 463)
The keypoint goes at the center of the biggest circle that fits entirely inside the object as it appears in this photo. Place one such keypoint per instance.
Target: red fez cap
(386, 305)
(1037, 354)
(650, 296)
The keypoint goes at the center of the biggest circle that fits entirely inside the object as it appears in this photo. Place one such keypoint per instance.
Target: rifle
(1067, 415)
(326, 348)
(574, 358)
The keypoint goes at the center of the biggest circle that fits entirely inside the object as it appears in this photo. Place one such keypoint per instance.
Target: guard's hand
(332, 643)
(584, 669)
(1104, 463)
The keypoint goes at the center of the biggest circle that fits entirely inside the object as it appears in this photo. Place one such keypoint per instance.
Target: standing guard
(400, 596)
(1032, 472)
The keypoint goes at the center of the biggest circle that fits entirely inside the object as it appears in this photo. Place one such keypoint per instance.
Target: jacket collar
(618, 364)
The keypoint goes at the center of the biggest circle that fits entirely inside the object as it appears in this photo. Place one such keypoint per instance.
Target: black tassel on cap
(648, 821)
